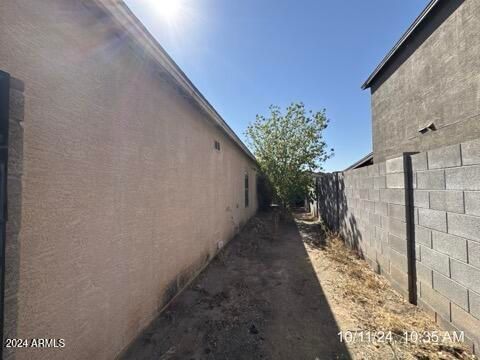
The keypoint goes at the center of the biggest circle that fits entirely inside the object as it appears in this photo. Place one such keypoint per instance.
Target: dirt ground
(286, 294)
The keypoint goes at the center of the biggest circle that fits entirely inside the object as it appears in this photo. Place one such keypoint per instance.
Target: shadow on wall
(334, 209)
(372, 209)
(14, 199)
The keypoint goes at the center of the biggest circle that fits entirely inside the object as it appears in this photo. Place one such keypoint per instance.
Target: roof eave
(364, 159)
(126, 19)
(431, 5)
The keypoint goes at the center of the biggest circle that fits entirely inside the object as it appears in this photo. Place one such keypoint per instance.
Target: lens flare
(170, 10)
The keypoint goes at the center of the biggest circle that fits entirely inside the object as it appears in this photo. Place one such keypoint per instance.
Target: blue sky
(245, 55)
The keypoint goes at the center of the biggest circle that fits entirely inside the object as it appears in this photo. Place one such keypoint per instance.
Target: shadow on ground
(259, 299)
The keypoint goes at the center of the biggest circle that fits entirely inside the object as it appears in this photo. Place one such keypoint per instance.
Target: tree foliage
(289, 147)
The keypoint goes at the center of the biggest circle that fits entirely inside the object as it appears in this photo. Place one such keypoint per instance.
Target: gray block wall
(369, 212)
(444, 196)
(447, 232)
(431, 80)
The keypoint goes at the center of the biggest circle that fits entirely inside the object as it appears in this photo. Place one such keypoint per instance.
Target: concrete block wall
(367, 207)
(327, 201)
(430, 80)
(373, 208)
(373, 218)
(446, 185)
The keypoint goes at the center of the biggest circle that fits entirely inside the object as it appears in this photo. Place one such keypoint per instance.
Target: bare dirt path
(259, 299)
(286, 297)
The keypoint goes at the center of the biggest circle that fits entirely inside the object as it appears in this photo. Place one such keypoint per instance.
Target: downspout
(4, 116)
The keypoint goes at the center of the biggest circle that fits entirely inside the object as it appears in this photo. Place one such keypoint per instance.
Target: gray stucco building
(431, 77)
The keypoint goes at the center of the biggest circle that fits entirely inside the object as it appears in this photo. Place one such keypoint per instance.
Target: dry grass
(377, 307)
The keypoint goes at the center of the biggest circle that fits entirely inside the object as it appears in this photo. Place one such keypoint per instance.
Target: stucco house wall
(117, 195)
(434, 77)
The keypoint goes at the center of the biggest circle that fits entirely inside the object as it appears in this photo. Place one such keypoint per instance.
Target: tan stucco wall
(116, 191)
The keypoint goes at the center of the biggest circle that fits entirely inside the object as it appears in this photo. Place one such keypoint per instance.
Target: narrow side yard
(286, 296)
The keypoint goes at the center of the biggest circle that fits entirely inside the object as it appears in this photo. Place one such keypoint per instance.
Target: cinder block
(363, 194)
(448, 156)
(374, 195)
(398, 260)
(474, 300)
(464, 225)
(366, 183)
(386, 250)
(421, 199)
(397, 228)
(393, 196)
(398, 244)
(451, 245)
(419, 162)
(435, 260)
(433, 219)
(424, 306)
(396, 181)
(451, 290)
(465, 274)
(383, 264)
(379, 182)
(431, 180)
(384, 221)
(424, 274)
(472, 203)
(463, 178)
(474, 253)
(381, 208)
(369, 206)
(423, 236)
(380, 235)
(471, 152)
(394, 165)
(375, 219)
(372, 170)
(382, 168)
(447, 200)
(466, 322)
(400, 277)
(397, 211)
(436, 301)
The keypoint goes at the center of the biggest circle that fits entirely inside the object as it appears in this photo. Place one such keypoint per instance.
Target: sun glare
(169, 10)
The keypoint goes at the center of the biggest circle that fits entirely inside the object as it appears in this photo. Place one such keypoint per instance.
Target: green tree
(289, 147)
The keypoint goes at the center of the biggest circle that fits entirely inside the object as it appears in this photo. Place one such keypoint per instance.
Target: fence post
(410, 223)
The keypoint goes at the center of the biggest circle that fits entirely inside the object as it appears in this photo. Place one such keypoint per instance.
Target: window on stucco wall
(246, 190)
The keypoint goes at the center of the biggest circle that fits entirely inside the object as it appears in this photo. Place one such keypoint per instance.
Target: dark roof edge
(366, 158)
(128, 21)
(400, 42)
